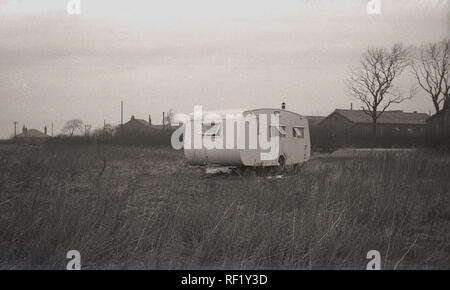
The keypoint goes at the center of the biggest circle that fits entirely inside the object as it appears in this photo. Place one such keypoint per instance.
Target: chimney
(283, 105)
(149, 119)
(45, 130)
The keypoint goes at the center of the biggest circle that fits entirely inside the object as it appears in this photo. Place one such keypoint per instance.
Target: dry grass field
(144, 208)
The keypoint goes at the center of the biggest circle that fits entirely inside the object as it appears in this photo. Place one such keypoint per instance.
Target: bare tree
(432, 69)
(372, 82)
(72, 126)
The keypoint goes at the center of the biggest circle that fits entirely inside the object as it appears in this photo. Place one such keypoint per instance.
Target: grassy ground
(131, 207)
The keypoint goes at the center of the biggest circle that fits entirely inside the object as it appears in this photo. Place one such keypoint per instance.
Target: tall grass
(135, 208)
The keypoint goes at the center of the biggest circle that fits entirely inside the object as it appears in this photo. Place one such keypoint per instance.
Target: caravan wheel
(282, 163)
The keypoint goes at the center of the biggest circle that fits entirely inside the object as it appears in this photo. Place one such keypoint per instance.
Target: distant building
(32, 134)
(357, 122)
(354, 128)
(143, 132)
(142, 126)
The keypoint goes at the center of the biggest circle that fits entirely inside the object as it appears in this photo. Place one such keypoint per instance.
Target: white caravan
(229, 133)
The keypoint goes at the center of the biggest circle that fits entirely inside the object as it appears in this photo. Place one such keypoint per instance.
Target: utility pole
(52, 129)
(164, 117)
(15, 128)
(121, 113)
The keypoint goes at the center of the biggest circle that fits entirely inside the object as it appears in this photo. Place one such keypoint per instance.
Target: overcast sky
(174, 54)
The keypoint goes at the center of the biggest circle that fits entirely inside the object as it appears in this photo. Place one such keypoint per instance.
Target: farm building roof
(32, 133)
(152, 126)
(141, 121)
(388, 117)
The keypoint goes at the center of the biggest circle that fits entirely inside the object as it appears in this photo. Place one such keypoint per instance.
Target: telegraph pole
(121, 113)
(15, 128)
(52, 129)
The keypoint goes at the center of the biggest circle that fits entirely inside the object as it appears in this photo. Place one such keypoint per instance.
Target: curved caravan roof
(224, 113)
(276, 109)
(221, 113)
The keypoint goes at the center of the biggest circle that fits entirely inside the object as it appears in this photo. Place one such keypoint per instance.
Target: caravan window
(211, 129)
(298, 132)
(277, 131)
